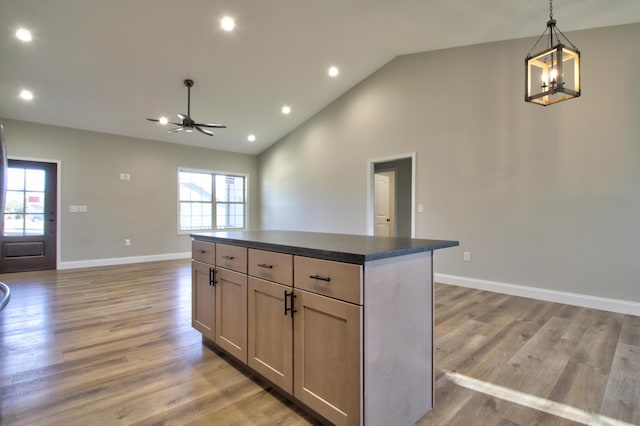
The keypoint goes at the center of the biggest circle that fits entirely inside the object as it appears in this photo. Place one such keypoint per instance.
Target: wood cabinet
(296, 333)
(270, 332)
(203, 292)
(327, 346)
(270, 324)
(351, 339)
(231, 313)
(203, 301)
(219, 295)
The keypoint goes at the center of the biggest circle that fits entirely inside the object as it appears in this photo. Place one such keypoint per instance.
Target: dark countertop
(339, 247)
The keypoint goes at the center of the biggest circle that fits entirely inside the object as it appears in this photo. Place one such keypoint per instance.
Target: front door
(29, 222)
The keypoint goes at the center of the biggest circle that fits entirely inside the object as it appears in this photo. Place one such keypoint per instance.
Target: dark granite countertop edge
(335, 255)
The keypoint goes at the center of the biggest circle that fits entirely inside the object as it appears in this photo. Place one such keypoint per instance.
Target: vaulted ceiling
(106, 65)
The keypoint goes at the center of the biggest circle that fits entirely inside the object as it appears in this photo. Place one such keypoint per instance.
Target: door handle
(212, 277)
(318, 277)
(289, 309)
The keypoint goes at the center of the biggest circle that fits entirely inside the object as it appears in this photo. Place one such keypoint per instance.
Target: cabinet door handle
(286, 308)
(212, 277)
(318, 277)
(292, 297)
(289, 309)
(264, 265)
(228, 257)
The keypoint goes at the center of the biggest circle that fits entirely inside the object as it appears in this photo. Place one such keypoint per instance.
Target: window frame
(213, 174)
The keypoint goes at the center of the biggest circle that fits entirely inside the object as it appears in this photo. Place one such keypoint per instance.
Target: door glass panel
(34, 180)
(24, 210)
(15, 179)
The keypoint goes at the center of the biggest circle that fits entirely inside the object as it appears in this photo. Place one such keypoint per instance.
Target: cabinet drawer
(271, 266)
(231, 257)
(339, 280)
(203, 251)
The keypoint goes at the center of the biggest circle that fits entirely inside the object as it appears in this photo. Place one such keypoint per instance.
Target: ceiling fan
(188, 124)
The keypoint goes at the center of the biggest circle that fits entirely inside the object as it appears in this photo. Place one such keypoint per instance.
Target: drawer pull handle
(289, 310)
(264, 265)
(318, 277)
(228, 257)
(202, 251)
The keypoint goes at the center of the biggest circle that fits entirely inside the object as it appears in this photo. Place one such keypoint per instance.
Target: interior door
(383, 208)
(29, 225)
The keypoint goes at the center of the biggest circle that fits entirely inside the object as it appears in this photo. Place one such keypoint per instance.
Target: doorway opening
(29, 234)
(391, 196)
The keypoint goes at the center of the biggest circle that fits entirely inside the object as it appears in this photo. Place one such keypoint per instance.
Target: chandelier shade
(552, 75)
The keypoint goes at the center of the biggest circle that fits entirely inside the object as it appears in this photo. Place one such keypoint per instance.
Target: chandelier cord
(551, 29)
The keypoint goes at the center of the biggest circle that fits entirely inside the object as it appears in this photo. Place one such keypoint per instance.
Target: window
(211, 201)
(24, 210)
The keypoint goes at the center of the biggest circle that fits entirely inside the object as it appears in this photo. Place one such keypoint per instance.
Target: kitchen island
(342, 324)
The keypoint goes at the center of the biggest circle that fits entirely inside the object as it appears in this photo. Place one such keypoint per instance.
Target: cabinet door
(203, 302)
(270, 333)
(328, 364)
(231, 313)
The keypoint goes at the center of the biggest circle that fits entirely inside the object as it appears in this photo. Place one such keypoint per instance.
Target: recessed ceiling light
(286, 109)
(227, 23)
(163, 120)
(27, 95)
(333, 71)
(251, 138)
(24, 35)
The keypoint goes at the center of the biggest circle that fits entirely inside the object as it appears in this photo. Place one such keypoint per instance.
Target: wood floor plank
(622, 396)
(114, 346)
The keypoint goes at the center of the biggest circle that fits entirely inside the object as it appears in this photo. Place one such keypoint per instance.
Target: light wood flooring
(114, 346)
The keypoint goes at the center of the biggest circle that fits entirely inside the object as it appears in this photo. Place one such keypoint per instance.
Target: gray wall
(143, 209)
(547, 197)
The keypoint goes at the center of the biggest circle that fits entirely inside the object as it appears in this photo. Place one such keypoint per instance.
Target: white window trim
(215, 172)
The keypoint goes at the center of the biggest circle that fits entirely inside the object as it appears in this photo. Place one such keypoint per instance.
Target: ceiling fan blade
(215, 126)
(177, 124)
(153, 119)
(176, 130)
(206, 132)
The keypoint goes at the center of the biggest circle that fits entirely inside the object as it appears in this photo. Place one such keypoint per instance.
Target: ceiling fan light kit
(188, 124)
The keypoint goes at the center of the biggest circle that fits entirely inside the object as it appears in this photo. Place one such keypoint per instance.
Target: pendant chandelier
(552, 75)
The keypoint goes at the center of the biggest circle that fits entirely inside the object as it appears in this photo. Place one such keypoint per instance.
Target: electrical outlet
(127, 242)
(467, 256)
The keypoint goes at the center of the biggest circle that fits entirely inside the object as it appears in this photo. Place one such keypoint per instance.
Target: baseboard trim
(576, 299)
(122, 260)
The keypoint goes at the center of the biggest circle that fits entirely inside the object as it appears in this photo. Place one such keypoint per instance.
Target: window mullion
(214, 203)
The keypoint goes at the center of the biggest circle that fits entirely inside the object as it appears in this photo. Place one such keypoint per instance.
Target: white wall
(143, 209)
(547, 197)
